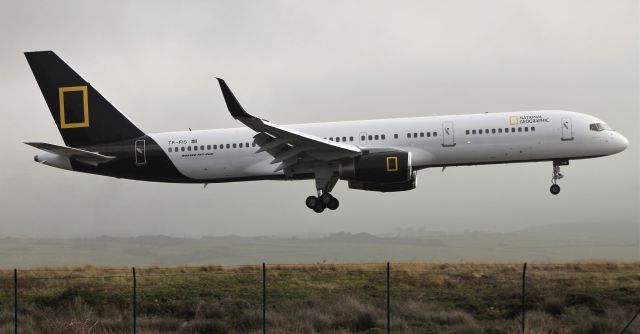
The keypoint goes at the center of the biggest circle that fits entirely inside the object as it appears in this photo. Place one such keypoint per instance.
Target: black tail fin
(82, 115)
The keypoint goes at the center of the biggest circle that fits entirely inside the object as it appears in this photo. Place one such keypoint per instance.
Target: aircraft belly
(230, 166)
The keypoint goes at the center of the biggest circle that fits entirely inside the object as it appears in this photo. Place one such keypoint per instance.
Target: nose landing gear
(555, 188)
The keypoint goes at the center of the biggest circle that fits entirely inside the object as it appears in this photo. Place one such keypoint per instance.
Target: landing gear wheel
(326, 198)
(319, 207)
(555, 189)
(333, 204)
(311, 202)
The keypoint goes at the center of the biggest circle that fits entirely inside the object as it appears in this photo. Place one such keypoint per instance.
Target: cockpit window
(599, 127)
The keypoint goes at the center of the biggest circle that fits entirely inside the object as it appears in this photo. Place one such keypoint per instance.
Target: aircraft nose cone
(621, 142)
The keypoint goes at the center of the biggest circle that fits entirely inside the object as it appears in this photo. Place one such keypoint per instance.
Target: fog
(296, 62)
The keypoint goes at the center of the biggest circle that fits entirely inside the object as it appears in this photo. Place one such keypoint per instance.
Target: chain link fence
(327, 298)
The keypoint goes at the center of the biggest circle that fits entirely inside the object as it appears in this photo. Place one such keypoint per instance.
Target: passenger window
(382, 136)
(182, 149)
(350, 138)
(421, 134)
(344, 138)
(506, 130)
(493, 130)
(428, 134)
(474, 132)
(395, 136)
(519, 129)
(376, 137)
(208, 147)
(362, 138)
(408, 135)
(415, 135)
(215, 147)
(338, 139)
(467, 131)
(253, 144)
(533, 128)
(331, 138)
(480, 131)
(188, 148)
(169, 149)
(228, 146)
(370, 137)
(234, 145)
(499, 130)
(240, 145)
(202, 147)
(526, 129)
(486, 131)
(246, 144)
(513, 130)
(435, 134)
(195, 148)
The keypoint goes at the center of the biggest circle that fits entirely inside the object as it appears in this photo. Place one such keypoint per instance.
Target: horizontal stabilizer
(75, 154)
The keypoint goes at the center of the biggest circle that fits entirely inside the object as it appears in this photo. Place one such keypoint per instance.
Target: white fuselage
(216, 155)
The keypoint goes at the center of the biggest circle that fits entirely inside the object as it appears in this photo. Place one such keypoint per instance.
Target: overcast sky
(314, 61)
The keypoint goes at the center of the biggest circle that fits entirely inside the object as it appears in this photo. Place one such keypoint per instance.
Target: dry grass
(581, 297)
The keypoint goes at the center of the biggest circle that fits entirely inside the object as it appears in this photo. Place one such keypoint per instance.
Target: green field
(581, 297)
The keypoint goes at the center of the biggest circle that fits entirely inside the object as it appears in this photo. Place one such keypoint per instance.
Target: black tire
(319, 207)
(311, 202)
(326, 198)
(555, 189)
(333, 204)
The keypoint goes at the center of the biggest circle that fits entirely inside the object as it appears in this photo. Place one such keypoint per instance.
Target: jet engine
(383, 171)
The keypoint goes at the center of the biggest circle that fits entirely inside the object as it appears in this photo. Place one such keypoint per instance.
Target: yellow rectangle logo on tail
(85, 106)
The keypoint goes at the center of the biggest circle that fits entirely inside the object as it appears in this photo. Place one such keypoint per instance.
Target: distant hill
(583, 230)
(553, 242)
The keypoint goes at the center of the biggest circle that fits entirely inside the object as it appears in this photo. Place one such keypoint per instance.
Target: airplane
(381, 155)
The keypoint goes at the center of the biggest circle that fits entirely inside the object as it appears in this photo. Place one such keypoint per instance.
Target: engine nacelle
(385, 187)
(386, 167)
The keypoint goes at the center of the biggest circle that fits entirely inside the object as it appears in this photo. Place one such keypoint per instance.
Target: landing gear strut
(555, 188)
(325, 181)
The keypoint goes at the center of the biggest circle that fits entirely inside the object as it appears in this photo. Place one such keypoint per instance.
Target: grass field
(582, 297)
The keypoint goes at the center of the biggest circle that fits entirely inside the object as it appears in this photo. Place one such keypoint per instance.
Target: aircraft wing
(76, 154)
(287, 146)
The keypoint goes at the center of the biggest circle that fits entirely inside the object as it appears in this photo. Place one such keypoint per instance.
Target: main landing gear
(555, 188)
(321, 202)
(325, 181)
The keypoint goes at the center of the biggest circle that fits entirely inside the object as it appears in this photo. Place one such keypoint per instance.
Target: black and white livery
(376, 155)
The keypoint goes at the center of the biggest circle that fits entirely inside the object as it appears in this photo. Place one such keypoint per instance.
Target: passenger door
(567, 129)
(140, 152)
(363, 139)
(448, 137)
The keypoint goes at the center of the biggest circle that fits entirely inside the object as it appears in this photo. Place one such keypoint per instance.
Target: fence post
(631, 321)
(264, 298)
(388, 298)
(134, 300)
(15, 301)
(524, 276)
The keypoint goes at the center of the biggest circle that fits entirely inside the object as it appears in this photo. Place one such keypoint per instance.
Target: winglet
(233, 105)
